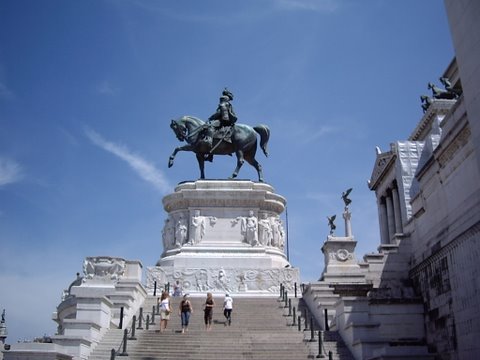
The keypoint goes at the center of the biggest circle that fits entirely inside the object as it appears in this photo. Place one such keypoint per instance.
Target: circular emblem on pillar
(342, 254)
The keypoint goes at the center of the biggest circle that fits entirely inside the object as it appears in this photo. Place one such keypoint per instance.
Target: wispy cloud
(10, 171)
(308, 5)
(309, 134)
(106, 88)
(318, 133)
(142, 167)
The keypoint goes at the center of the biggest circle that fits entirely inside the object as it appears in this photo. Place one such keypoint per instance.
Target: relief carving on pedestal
(198, 227)
(248, 228)
(104, 267)
(265, 233)
(343, 255)
(181, 232)
(221, 280)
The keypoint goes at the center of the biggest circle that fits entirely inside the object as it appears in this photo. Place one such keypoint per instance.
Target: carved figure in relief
(281, 235)
(264, 231)
(277, 232)
(222, 282)
(181, 231)
(167, 234)
(249, 229)
(198, 228)
(242, 286)
(201, 281)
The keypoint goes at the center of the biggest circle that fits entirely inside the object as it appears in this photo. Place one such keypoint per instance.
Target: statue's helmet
(228, 94)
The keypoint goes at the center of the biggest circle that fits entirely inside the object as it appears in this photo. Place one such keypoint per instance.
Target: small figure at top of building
(449, 87)
(426, 102)
(331, 223)
(345, 198)
(3, 316)
(438, 93)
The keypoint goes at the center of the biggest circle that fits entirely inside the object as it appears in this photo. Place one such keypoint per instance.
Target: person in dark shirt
(209, 304)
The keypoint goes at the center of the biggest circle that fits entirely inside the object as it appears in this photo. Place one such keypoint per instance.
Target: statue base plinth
(340, 263)
(224, 229)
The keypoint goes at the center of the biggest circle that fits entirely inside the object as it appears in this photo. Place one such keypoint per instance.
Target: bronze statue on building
(221, 135)
(331, 223)
(345, 198)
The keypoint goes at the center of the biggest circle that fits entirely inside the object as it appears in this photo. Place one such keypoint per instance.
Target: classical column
(390, 217)
(382, 219)
(396, 210)
(348, 225)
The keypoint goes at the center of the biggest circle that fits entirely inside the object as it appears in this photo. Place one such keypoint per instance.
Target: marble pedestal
(224, 236)
(341, 266)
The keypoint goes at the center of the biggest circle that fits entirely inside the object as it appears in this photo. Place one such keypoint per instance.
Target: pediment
(382, 164)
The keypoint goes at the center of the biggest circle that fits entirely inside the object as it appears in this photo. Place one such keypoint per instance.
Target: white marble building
(424, 281)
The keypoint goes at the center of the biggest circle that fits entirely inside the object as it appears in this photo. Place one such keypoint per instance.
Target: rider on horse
(224, 116)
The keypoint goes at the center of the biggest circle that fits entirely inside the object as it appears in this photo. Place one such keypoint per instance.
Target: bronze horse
(243, 143)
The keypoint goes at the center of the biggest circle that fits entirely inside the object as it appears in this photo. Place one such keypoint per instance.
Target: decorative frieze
(224, 280)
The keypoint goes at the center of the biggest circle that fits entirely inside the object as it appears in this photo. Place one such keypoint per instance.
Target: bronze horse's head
(179, 130)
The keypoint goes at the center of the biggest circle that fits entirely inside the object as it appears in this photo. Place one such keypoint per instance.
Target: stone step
(259, 330)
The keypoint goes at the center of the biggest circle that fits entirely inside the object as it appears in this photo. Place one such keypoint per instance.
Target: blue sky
(88, 89)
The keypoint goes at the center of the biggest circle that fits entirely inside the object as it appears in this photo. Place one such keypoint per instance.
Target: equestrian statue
(221, 135)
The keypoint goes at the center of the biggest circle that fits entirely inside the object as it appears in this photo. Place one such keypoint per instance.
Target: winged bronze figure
(331, 223)
(345, 198)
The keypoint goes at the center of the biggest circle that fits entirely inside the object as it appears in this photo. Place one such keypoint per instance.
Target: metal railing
(308, 325)
(149, 320)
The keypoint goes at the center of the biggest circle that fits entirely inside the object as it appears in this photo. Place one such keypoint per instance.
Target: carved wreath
(342, 255)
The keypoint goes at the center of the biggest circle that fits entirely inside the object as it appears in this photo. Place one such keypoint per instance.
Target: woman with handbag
(164, 310)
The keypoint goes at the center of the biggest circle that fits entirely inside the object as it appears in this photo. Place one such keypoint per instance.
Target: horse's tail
(264, 133)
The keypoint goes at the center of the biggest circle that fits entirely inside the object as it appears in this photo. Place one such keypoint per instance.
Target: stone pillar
(390, 217)
(348, 225)
(397, 212)
(382, 214)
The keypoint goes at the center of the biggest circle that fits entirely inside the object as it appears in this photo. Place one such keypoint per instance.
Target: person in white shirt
(227, 309)
(164, 302)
